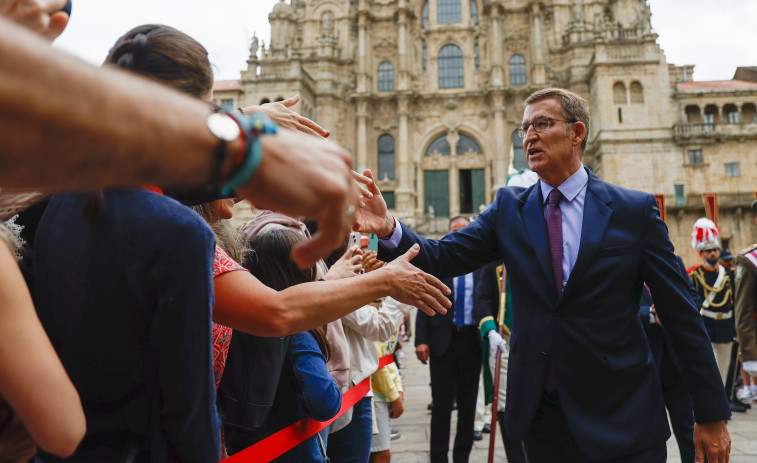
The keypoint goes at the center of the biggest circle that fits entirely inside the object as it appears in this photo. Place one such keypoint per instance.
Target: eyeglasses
(541, 124)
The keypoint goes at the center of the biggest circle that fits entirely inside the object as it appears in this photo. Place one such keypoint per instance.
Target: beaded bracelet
(247, 163)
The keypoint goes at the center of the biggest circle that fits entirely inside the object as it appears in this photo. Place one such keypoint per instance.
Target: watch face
(223, 127)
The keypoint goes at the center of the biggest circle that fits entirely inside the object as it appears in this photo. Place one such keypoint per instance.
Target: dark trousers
(549, 439)
(513, 448)
(679, 405)
(455, 374)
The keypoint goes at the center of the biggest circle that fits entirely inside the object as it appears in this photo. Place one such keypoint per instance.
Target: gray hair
(573, 106)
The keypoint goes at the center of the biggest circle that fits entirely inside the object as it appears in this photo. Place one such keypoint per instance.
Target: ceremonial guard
(492, 310)
(714, 283)
(746, 314)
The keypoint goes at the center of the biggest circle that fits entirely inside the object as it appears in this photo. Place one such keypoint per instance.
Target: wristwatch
(227, 130)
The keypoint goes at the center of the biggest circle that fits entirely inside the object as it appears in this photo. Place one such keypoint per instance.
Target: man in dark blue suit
(452, 345)
(582, 385)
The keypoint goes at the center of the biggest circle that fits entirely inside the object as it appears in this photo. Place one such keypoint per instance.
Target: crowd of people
(139, 323)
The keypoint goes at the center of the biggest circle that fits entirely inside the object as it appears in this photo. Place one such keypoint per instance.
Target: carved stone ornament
(516, 42)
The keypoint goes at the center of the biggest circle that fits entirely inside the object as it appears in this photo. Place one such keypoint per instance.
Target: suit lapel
(536, 226)
(597, 215)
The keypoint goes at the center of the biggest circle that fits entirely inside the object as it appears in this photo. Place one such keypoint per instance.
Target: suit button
(556, 316)
(543, 355)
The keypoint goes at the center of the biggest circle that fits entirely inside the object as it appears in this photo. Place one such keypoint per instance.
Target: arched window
(619, 93)
(468, 145)
(749, 111)
(438, 146)
(423, 55)
(519, 154)
(385, 77)
(265, 101)
(424, 15)
(448, 11)
(386, 157)
(474, 11)
(711, 114)
(450, 67)
(517, 70)
(693, 114)
(637, 93)
(478, 57)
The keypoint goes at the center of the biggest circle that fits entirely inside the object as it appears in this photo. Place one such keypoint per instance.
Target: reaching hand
(42, 16)
(496, 343)
(712, 440)
(280, 113)
(412, 286)
(302, 175)
(371, 262)
(372, 215)
(347, 266)
(421, 351)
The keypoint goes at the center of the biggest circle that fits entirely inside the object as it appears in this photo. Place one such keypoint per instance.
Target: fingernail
(416, 246)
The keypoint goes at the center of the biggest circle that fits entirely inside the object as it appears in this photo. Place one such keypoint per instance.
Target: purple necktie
(554, 227)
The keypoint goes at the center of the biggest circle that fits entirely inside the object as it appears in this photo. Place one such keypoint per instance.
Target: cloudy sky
(716, 36)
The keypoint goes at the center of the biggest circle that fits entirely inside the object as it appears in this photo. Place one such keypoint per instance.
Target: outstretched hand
(712, 440)
(280, 113)
(372, 216)
(347, 266)
(412, 286)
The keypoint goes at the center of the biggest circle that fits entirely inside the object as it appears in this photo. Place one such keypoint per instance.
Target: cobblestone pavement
(412, 446)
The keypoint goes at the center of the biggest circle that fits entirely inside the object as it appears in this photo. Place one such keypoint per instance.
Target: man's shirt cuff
(393, 241)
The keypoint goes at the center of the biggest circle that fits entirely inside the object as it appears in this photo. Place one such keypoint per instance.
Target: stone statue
(644, 18)
(254, 45)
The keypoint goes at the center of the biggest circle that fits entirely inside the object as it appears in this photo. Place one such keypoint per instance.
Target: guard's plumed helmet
(705, 235)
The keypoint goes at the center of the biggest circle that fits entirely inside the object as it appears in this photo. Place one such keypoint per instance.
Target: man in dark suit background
(452, 345)
(582, 385)
(674, 391)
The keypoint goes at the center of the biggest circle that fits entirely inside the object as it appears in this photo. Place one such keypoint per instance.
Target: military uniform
(715, 287)
(746, 302)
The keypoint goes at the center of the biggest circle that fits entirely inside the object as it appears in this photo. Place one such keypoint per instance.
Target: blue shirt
(572, 208)
(467, 303)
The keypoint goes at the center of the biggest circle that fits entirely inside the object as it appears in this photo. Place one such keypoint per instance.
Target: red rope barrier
(288, 438)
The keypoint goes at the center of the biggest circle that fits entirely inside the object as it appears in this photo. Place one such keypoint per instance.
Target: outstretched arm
(244, 303)
(67, 125)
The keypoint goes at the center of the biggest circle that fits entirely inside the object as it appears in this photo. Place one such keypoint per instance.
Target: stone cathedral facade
(428, 94)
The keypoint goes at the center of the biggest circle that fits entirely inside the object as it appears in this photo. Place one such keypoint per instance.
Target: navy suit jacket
(606, 380)
(437, 332)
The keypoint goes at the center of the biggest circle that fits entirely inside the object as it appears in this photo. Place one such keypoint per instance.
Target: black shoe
(430, 406)
(477, 435)
(487, 428)
(738, 408)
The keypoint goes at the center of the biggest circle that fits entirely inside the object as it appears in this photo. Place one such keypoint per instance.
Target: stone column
(403, 75)
(538, 72)
(454, 176)
(362, 134)
(501, 153)
(404, 194)
(362, 58)
(495, 47)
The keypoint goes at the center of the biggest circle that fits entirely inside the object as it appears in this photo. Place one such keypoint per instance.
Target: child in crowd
(305, 388)
(388, 399)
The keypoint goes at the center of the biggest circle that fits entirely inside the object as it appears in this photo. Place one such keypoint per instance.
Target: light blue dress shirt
(572, 208)
(468, 302)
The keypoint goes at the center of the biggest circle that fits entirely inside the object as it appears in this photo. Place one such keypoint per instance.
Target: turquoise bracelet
(253, 125)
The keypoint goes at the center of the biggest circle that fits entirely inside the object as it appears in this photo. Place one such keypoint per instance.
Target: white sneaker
(745, 395)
